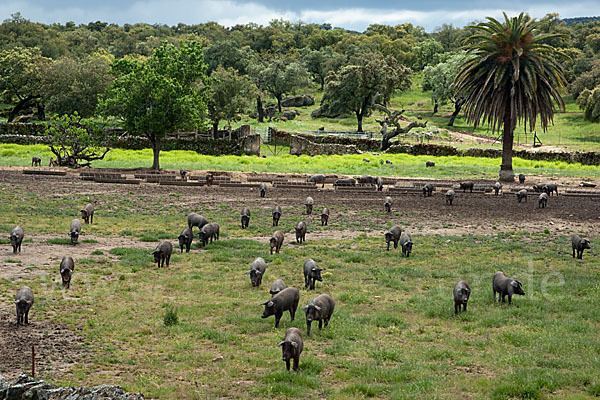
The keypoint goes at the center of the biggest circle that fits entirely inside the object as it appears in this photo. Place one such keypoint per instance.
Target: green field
(393, 333)
(403, 164)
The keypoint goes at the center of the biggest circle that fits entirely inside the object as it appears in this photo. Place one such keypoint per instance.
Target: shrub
(171, 317)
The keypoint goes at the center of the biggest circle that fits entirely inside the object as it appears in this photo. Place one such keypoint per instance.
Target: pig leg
(464, 306)
(509, 299)
(292, 313)
(395, 244)
(320, 324)
(388, 246)
(27, 317)
(457, 306)
(296, 362)
(306, 283)
(308, 323)
(277, 318)
(287, 364)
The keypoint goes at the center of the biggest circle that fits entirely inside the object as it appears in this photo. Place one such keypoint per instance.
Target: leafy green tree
(165, 93)
(21, 74)
(589, 102)
(425, 53)
(512, 77)
(279, 77)
(73, 86)
(439, 79)
(448, 36)
(357, 87)
(228, 54)
(587, 80)
(319, 62)
(230, 94)
(75, 144)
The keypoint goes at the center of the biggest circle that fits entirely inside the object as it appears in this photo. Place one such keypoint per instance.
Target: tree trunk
(359, 118)
(435, 107)
(41, 112)
(457, 107)
(156, 151)
(506, 170)
(20, 105)
(215, 128)
(259, 109)
(279, 103)
(322, 84)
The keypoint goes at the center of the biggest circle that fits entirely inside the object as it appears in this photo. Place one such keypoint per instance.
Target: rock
(587, 184)
(26, 388)
(289, 114)
(319, 112)
(298, 101)
(217, 359)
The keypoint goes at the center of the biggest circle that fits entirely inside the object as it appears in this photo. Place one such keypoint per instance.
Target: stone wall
(241, 141)
(27, 388)
(300, 145)
(373, 145)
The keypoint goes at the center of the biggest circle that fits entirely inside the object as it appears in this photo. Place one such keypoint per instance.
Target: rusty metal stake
(33, 360)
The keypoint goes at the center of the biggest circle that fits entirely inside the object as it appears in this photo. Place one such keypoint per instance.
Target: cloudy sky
(350, 14)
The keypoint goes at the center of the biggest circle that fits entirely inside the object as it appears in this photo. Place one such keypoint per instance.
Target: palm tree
(513, 77)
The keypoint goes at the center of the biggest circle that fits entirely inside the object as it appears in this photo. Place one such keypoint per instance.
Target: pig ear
(264, 304)
(247, 272)
(295, 344)
(270, 303)
(317, 308)
(515, 283)
(258, 273)
(305, 308)
(16, 301)
(315, 269)
(281, 343)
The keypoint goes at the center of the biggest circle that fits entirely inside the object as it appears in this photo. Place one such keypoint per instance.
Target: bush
(171, 317)
(589, 102)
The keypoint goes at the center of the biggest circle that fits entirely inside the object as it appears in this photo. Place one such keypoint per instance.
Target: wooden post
(33, 360)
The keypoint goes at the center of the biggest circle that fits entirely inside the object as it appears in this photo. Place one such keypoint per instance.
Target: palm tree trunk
(506, 170)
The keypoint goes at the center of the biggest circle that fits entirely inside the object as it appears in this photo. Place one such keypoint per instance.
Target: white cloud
(231, 12)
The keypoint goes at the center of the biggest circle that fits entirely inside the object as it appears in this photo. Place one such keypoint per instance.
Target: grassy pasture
(393, 334)
(403, 164)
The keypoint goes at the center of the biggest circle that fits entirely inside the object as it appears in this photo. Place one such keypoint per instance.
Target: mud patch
(57, 349)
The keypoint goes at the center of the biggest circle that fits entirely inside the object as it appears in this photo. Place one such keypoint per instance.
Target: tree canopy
(356, 87)
(439, 78)
(162, 94)
(230, 94)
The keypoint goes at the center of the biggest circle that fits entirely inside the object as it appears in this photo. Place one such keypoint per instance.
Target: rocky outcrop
(302, 100)
(27, 388)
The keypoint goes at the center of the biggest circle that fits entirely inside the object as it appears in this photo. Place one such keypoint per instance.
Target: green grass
(403, 164)
(393, 333)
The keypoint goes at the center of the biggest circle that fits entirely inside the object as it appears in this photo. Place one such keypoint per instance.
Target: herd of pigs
(285, 298)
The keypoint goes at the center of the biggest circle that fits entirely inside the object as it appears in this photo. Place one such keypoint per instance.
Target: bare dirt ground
(56, 347)
(471, 214)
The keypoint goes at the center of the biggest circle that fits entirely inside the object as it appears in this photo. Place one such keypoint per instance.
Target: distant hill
(579, 20)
